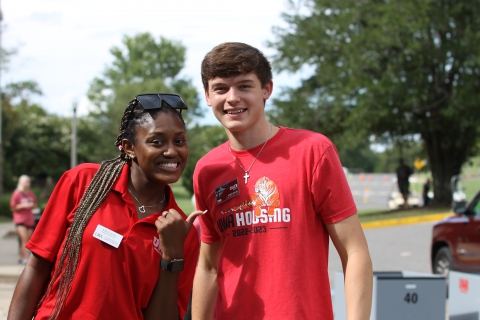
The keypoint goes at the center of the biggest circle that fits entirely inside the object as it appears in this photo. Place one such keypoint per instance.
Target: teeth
(168, 165)
(234, 111)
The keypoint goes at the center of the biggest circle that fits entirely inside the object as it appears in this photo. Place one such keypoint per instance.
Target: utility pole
(1, 142)
(73, 155)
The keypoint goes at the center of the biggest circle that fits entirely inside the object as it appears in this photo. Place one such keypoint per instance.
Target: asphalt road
(399, 248)
(372, 190)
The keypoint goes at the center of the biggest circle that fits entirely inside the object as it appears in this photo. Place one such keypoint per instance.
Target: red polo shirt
(110, 283)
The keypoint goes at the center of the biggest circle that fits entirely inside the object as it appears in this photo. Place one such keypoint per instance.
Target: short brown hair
(234, 58)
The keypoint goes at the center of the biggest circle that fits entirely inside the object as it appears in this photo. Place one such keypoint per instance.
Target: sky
(63, 45)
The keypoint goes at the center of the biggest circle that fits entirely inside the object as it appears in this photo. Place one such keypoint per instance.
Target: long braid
(95, 194)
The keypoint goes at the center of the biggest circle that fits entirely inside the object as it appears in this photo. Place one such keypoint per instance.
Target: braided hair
(134, 116)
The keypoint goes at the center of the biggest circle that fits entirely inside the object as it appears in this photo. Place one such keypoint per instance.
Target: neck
(147, 192)
(251, 137)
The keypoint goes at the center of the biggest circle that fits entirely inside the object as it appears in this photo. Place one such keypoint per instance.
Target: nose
(233, 96)
(170, 151)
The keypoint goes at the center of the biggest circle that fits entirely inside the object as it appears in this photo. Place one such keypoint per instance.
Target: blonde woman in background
(22, 202)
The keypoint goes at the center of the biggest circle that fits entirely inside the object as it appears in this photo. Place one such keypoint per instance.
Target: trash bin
(399, 295)
(463, 296)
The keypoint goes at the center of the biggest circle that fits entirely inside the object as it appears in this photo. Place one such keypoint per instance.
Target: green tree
(140, 65)
(37, 143)
(392, 69)
(357, 157)
(201, 139)
(34, 142)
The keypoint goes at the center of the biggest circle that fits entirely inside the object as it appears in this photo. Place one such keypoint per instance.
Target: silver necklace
(142, 207)
(246, 175)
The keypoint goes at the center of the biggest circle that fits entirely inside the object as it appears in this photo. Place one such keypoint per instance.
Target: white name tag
(108, 236)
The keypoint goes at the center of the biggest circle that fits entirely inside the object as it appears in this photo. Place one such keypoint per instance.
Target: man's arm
(349, 240)
(205, 286)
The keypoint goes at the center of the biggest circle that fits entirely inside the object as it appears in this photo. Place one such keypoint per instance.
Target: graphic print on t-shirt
(157, 246)
(258, 209)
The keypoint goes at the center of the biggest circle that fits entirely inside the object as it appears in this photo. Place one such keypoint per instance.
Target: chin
(171, 179)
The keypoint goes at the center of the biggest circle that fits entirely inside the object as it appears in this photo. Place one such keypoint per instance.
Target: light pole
(73, 154)
(1, 142)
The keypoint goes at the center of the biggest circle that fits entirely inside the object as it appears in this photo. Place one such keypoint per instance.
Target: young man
(274, 196)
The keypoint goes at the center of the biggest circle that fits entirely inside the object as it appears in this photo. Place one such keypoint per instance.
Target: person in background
(22, 202)
(112, 242)
(275, 196)
(425, 190)
(403, 174)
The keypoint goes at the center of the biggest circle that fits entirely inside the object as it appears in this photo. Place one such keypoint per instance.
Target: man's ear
(207, 98)
(267, 90)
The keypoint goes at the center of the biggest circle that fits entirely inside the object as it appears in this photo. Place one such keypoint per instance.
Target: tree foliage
(37, 143)
(392, 69)
(201, 139)
(140, 65)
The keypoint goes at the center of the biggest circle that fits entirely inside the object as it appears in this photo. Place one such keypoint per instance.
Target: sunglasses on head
(154, 101)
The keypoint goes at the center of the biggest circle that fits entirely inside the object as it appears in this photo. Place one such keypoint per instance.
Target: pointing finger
(191, 218)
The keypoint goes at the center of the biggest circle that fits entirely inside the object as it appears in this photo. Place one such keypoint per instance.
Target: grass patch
(5, 219)
(183, 197)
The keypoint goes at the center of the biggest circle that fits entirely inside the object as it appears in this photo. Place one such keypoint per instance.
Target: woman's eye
(180, 141)
(157, 142)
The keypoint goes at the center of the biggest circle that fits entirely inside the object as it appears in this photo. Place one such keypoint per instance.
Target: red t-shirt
(274, 258)
(23, 216)
(110, 283)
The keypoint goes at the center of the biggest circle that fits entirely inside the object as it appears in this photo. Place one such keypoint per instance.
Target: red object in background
(463, 285)
(456, 240)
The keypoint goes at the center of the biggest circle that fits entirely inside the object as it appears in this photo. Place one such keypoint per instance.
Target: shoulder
(304, 134)
(16, 194)
(82, 172)
(214, 155)
(305, 139)
(83, 169)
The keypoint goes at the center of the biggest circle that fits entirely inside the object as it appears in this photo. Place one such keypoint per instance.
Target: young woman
(112, 243)
(22, 202)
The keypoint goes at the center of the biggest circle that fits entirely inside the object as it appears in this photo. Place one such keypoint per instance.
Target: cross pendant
(246, 176)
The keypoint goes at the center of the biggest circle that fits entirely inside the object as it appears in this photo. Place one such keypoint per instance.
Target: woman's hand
(172, 232)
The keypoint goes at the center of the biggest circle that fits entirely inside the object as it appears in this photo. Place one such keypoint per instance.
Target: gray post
(1, 143)
(73, 155)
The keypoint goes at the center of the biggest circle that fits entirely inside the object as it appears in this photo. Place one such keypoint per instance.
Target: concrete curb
(405, 221)
(10, 273)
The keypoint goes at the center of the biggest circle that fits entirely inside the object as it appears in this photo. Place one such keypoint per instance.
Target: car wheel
(443, 262)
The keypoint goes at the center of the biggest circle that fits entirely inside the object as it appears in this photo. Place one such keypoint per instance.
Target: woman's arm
(163, 302)
(172, 231)
(30, 288)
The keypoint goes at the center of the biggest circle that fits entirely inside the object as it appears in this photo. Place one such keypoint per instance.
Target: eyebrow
(162, 134)
(222, 82)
